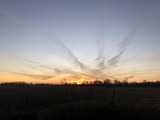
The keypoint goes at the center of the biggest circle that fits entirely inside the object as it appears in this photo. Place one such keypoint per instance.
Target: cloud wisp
(100, 59)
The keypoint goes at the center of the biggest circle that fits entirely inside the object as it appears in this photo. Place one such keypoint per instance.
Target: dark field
(45, 102)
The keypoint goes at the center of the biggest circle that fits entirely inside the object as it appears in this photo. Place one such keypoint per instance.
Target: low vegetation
(21, 101)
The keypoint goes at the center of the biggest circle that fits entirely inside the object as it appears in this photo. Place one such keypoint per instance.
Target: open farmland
(51, 102)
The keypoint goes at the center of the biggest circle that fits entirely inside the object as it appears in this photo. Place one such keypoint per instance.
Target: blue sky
(96, 39)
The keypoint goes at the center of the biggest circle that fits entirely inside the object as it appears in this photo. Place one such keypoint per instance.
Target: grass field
(46, 102)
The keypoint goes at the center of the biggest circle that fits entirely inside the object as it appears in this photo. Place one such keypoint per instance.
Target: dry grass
(78, 102)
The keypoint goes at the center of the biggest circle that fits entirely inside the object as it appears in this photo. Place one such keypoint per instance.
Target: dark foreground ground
(44, 102)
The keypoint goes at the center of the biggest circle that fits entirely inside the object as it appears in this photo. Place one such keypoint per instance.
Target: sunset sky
(48, 41)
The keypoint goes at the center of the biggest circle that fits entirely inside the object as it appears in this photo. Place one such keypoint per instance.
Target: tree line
(106, 82)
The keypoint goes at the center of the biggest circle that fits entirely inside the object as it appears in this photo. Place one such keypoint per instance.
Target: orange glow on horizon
(9, 77)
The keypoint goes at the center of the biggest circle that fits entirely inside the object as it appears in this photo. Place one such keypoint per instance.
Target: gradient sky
(47, 41)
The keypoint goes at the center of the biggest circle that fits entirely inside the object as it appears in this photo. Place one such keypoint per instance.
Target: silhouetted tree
(97, 82)
(117, 82)
(85, 82)
(64, 82)
(107, 82)
(125, 82)
(145, 81)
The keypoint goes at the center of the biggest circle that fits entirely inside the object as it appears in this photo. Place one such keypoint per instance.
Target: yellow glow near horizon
(81, 81)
